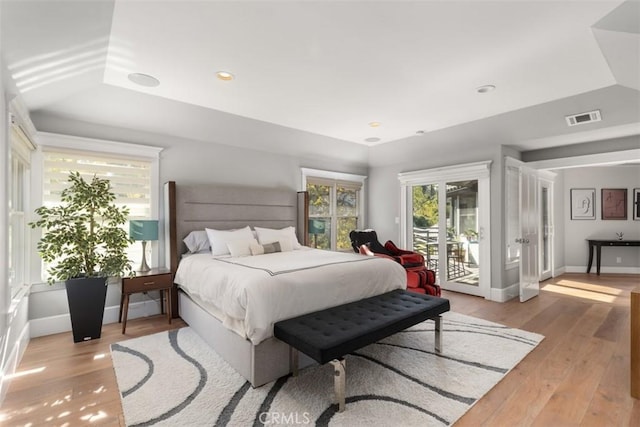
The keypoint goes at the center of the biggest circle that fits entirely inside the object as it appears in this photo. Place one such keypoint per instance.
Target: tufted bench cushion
(334, 332)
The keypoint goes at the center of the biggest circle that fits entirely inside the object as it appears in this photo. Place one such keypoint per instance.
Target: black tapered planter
(86, 298)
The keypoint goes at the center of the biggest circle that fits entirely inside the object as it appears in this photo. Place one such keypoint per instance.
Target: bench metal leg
(293, 361)
(339, 367)
(438, 321)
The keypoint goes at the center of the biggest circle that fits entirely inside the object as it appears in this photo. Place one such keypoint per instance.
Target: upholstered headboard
(190, 207)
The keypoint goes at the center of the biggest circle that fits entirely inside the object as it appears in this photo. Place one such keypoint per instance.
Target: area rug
(175, 379)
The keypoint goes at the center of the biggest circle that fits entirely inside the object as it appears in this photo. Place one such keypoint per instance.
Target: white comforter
(249, 294)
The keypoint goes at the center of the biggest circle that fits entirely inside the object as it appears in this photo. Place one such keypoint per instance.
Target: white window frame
(338, 176)
(96, 146)
(21, 146)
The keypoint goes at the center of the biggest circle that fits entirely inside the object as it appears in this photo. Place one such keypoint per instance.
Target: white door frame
(471, 171)
(546, 180)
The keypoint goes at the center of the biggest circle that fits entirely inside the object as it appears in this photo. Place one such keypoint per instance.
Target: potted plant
(86, 244)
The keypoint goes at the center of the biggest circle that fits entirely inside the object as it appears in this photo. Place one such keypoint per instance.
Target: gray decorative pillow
(270, 248)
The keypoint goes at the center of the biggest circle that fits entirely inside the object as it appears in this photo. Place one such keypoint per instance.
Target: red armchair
(419, 278)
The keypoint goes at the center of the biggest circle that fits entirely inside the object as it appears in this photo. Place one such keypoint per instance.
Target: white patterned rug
(175, 379)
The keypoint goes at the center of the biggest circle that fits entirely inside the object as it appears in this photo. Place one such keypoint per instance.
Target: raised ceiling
(324, 67)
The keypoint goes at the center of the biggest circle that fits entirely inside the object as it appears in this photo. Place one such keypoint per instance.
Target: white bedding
(249, 294)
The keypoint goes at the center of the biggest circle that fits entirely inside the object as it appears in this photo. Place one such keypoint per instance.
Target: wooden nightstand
(156, 279)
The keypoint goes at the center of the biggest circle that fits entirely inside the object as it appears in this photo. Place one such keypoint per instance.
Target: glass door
(462, 230)
(448, 219)
(546, 230)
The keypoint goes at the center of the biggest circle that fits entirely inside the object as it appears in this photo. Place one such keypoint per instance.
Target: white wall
(576, 231)
(559, 234)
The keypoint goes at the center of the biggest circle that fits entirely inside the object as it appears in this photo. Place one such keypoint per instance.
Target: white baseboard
(603, 269)
(505, 294)
(558, 271)
(62, 323)
(11, 364)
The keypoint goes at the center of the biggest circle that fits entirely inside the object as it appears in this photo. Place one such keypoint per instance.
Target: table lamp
(145, 230)
(316, 227)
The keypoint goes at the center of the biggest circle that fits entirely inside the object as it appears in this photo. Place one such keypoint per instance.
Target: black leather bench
(328, 335)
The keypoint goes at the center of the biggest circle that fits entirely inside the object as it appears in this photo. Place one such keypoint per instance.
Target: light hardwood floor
(578, 375)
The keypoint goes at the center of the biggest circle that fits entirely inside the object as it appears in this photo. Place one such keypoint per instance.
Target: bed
(232, 302)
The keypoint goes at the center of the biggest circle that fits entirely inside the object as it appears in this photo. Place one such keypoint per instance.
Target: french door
(546, 229)
(529, 227)
(529, 238)
(446, 218)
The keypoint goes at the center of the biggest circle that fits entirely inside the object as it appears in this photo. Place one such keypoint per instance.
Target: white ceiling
(323, 67)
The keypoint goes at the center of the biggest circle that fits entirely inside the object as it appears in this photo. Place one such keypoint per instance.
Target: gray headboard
(190, 207)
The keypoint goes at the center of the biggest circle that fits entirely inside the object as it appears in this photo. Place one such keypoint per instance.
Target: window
(131, 169)
(19, 163)
(335, 207)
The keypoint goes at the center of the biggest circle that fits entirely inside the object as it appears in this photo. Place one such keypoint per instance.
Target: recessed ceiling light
(224, 75)
(372, 139)
(144, 80)
(375, 124)
(485, 88)
(419, 132)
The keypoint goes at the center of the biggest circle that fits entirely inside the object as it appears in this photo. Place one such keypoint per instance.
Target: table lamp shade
(316, 226)
(145, 230)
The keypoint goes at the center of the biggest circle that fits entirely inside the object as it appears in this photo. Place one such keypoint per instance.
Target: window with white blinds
(130, 178)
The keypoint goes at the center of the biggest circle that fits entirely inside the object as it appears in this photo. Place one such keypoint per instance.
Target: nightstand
(156, 279)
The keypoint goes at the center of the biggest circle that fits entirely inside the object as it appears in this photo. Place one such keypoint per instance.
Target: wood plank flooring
(578, 375)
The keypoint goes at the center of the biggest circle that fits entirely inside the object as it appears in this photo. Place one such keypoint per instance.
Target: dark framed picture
(583, 203)
(636, 204)
(614, 203)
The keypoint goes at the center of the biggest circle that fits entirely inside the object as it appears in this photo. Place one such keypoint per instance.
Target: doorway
(446, 219)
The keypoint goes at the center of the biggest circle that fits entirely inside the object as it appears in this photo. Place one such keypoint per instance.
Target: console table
(598, 244)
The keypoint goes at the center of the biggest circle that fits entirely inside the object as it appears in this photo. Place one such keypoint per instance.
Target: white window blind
(130, 180)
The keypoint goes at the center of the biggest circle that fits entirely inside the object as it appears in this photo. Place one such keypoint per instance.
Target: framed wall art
(583, 203)
(636, 204)
(614, 203)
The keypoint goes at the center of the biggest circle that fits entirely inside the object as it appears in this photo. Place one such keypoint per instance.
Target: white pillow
(241, 247)
(285, 245)
(270, 235)
(197, 241)
(256, 248)
(218, 239)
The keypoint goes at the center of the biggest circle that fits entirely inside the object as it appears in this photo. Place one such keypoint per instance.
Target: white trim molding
(603, 269)
(117, 148)
(62, 322)
(611, 158)
(505, 294)
(448, 173)
(338, 176)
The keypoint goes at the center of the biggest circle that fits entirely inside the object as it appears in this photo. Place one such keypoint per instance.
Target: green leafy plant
(84, 234)
(471, 234)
